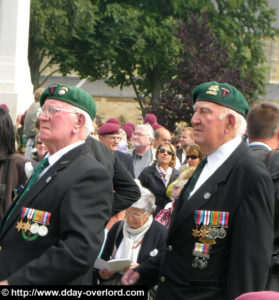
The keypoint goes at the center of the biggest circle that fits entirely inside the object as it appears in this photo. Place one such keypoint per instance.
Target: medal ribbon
(224, 218)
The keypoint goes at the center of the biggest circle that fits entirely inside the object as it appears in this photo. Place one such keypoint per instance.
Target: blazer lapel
(39, 185)
(184, 210)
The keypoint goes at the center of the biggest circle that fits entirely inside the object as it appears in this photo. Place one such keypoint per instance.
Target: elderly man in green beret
(221, 233)
(53, 232)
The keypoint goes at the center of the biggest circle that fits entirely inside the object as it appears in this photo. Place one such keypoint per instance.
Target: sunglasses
(192, 156)
(162, 150)
(39, 142)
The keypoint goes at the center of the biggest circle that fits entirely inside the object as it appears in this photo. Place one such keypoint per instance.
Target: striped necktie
(43, 164)
(194, 178)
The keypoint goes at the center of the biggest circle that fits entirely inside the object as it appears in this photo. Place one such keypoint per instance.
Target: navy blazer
(240, 261)
(78, 192)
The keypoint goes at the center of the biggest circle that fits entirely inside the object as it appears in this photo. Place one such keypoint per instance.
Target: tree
(52, 24)
(135, 42)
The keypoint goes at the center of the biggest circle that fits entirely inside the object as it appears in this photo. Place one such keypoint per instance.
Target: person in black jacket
(109, 135)
(162, 173)
(220, 237)
(141, 237)
(263, 134)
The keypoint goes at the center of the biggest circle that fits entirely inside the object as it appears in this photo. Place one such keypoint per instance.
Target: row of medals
(34, 228)
(207, 235)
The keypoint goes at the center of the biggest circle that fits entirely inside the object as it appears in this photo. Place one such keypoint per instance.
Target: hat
(128, 129)
(150, 118)
(72, 95)
(223, 94)
(113, 120)
(4, 106)
(262, 295)
(108, 128)
(156, 126)
(130, 124)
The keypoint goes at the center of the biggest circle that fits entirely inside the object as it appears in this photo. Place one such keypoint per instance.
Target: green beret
(70, 94)
(223, 94)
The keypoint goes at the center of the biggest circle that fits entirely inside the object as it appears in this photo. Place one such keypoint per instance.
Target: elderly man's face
(110, 140)
(209, 129)
(140, 138)
(57, 126)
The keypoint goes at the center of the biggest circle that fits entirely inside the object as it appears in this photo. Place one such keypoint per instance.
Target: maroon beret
(150, 118)
(4, 106)
(128, 129)
(113, 121)
(108, 128)
(262, 295)
(156, 126)
(130, 124)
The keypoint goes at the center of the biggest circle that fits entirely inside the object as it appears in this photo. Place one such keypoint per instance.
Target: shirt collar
(260, 144)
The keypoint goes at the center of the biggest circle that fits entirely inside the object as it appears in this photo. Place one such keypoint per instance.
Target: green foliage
(135, 42)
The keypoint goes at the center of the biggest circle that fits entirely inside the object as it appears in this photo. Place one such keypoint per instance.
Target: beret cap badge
(63, 91)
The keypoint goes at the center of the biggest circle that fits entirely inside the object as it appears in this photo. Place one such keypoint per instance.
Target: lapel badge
(153, 252)
(48, 179)
(206, 195)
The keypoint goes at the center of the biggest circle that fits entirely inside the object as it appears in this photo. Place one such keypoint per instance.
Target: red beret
(4, 106)
(130, 124)
(128, 129)
(108, 128)
(150, 118)
(113, 121)
(156, 126)
(259, 296)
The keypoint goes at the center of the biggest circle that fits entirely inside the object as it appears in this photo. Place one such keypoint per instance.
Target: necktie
(194, 178)
(43, 164)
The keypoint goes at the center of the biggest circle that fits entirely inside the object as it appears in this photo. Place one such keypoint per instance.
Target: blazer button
(169, 248)
(162, 279)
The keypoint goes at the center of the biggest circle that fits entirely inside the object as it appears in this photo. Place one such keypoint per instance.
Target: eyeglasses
(139, 134)
(135, 216)
(192, 156)
(51, 111)
(162, 150)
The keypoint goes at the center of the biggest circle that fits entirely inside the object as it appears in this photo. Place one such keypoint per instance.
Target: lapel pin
(206, 196)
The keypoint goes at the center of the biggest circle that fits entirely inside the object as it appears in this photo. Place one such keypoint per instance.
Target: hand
(132, 266)
(130, 277)
(105, 274)
(4, 282)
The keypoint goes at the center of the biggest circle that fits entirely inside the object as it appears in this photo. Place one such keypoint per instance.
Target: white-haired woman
(140, 237)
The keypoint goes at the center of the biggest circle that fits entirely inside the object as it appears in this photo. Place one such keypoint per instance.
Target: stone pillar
(16, 89)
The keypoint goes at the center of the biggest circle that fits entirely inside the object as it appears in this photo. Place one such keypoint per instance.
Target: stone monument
(16, 89)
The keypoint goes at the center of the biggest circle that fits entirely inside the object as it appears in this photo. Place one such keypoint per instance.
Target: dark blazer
(151, 179)
(179, 155)
(260, 152)
(126, 191)
(154, 238)
(78, 193)
(127, 161)
(237, 263)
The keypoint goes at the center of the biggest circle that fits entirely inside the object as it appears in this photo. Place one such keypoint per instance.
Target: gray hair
(147, 200)
(147, 128)
(240, 124)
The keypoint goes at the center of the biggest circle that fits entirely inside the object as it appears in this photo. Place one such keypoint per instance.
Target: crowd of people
(194, 212)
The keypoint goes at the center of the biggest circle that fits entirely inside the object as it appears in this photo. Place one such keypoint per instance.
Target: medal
(34, 228)
(42, 231)
(35, 225)
(201, 253)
